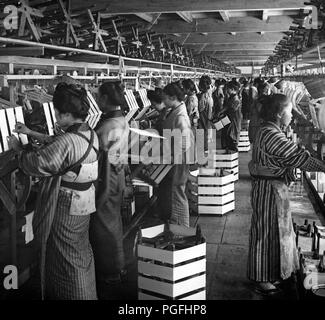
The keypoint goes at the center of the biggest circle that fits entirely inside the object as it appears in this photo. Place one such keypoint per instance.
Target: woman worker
(232, 109)
(106, 230)
(172, 200)
(205, 108)
(191, 101)
(67, 167)
(272, 250)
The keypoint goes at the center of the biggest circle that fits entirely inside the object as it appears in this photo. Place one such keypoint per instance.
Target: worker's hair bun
(68, 98)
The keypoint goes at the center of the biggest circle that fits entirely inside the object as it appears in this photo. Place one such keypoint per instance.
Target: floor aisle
(227, 244)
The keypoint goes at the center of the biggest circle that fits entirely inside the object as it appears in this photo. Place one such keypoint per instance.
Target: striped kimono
(272, 251)
(62, 215)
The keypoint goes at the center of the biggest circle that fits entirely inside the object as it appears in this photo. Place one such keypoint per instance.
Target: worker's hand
(21, 128)
(14, 143)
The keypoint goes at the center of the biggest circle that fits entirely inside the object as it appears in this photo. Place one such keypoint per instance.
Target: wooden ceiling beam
(238, 38)
(244, 58)
(233, 47)
(154, 6)
(265, 15)
(224, 16)
(238, 25)
(22, 51)
(243, 53)
(186, 16)
(146, 17)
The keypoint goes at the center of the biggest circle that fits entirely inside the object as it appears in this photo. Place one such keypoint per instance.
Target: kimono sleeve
(283, 153)
(49, 160)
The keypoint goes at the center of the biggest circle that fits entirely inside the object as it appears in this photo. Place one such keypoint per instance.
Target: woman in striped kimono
(106, 230)
(67, 167)
(272, 250)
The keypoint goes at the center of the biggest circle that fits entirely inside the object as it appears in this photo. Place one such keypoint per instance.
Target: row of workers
(77, 220)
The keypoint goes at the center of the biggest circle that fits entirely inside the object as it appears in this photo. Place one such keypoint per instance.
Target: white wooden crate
(243, 143)
(225, 160)
(183, 273)
(8, 119)
(93, 117)
(209, 193)
(132, 104)
(146, 103)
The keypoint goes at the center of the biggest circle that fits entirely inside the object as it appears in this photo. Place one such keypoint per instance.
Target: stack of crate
(171, 263)
(224, 159)
(211, 191)
(243, 143)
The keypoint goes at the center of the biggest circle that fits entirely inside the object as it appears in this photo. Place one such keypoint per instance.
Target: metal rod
(90, 52)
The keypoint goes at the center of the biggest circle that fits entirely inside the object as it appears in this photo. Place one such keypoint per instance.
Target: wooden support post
(119, 39)
(27, 13)
(99, 33)
(70, 26)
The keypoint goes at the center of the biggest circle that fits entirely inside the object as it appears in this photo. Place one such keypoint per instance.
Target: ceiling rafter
(224, 15)
(186, 16)
(171, 6)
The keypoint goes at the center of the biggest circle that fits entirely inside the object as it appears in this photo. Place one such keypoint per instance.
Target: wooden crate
(92, 118)
(224, 159)
(8, 119)
(320, 239)
(243, 143)
(210, 193)
(175, 275)
(132, 104)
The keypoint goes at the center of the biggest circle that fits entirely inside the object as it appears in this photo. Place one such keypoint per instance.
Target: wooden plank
(4, 130)
(170, 273)
(219, 155)
(224, 164)
(211, 25)
(153, 231)
(22, 51)
(154, 6)
(170, 289)
(20, 118)
(219, 210)
(224, 15)
(244, 149)
(216, 181)
(235, 46)
(238, 38)
(50, 124)
(12, 121)
(215, 190)
(145, 16)
(171, 257)
(186, 16)
(216, 200)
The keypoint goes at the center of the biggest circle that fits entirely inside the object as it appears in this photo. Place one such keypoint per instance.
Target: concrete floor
(227, 244)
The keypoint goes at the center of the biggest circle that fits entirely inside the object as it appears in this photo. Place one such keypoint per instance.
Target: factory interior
(162, 150)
